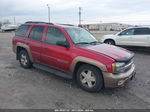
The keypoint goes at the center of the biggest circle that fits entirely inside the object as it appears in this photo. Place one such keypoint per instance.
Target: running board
(53, 71)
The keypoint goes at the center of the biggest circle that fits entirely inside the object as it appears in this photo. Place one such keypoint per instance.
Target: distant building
(105, 26)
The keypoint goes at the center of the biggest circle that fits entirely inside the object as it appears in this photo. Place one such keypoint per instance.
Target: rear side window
(142, 31)
(22, 30)
(53, 35)
(36, 33)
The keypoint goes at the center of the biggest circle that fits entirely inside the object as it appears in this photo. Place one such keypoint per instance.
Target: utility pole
(48, 13)
(14, 20)
(79, 15)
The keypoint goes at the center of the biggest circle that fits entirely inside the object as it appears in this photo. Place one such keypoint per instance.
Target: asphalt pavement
(34, 88)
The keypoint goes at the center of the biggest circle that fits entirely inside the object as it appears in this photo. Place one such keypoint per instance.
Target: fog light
(120, 82)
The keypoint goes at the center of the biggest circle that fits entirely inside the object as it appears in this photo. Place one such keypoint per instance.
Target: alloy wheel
(88, 78)
(23, 59)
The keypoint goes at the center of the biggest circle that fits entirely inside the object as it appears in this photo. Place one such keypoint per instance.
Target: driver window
(53, 35)
(127, 32)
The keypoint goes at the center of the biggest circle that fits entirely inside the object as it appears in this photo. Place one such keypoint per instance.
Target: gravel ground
(34, 88)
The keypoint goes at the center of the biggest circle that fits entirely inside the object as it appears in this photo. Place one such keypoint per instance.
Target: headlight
(117, 67)
(119, 64)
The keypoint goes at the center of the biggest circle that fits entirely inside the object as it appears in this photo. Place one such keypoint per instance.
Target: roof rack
(66, 24)
(38, 22)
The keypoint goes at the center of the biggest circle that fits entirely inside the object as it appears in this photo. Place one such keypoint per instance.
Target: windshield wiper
(82, 43)
(94, 42)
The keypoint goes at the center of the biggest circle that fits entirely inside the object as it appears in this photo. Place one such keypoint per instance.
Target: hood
(117, 53)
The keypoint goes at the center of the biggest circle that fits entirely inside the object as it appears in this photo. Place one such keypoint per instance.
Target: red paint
(61, 57)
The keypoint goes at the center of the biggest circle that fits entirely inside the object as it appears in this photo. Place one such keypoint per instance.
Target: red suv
(72, 52)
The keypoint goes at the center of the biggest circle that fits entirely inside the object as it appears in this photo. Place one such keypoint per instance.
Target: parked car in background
(72, 52)
(135, 36)
(8, 27)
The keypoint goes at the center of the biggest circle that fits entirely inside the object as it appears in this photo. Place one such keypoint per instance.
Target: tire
(89, 78)
(110, 42)
(24, 59)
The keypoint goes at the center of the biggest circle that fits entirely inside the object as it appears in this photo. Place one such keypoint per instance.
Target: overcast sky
(66, 11)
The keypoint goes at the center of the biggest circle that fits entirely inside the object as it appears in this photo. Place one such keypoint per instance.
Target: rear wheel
(24, 59)
(89, 78)
(110, 42)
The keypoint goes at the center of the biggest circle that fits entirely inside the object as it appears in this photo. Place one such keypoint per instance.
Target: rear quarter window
(22, 30)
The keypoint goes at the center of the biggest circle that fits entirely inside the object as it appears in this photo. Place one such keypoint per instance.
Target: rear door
(141, 37)
(54, 55)
(34, 41)
(125, 37)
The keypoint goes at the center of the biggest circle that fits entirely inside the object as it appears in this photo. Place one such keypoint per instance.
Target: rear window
(22, 30)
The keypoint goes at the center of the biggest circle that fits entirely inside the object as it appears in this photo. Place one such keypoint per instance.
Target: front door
(55, 55)
(125, 37)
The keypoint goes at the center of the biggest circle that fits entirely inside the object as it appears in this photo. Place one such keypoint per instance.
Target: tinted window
(36, 33)
(22, 30)
(142, 31)
(53, 35)
(127, 32)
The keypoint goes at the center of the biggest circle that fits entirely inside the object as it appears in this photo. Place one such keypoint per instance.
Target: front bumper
(116, 80)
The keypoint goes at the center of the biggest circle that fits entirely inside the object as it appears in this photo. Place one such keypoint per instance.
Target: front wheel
(89, 78)
(110, 42)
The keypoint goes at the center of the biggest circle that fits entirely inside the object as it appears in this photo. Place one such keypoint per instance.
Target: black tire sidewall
(28, 60)
(111, 41)
(99, 78)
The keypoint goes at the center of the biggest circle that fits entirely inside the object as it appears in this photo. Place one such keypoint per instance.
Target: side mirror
(63, 44)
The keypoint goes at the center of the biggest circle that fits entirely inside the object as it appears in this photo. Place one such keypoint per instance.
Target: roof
(139, 27)
(38, 22)
(46, 23)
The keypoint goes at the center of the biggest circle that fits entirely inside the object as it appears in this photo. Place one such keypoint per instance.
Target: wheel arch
(79, 61)
(21, 46)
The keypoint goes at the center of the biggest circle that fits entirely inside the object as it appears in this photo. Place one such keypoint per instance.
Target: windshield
(80, 36)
